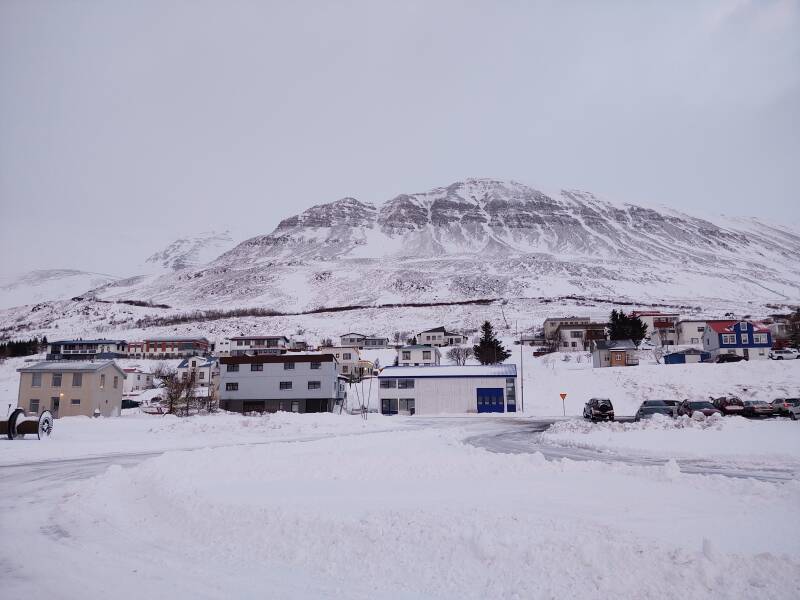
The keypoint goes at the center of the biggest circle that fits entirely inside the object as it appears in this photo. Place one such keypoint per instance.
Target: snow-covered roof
(101, 341)
(70, 365)
(419, 347)
(202, 361)
(509, 370)
(615, 345)
(727, 326)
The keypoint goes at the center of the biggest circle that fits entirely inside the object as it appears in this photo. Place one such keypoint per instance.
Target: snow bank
(418, 514)
(729, 437)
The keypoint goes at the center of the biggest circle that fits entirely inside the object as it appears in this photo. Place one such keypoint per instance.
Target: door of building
(54, 406)
(490, 400)
(746, 353)
(618, 358)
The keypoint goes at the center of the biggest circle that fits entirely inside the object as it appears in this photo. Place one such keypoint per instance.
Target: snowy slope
(487, 238)
(48, 284)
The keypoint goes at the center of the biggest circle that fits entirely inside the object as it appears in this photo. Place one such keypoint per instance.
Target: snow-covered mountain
(48, 284)
(486, 238)
(190, 252)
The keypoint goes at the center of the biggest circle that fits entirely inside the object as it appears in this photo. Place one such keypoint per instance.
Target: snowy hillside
(191, 251)
(483, 238)
(48, 284)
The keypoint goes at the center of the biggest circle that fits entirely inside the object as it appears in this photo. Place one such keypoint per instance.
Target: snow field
(418, 514)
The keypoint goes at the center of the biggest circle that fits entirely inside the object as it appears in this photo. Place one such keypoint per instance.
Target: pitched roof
(47, 366)
(504, 370)
(614, 345)
(727, 326)
(207, 361)
(420, 347)
(434, 330)
(353, 333)
(101, 341)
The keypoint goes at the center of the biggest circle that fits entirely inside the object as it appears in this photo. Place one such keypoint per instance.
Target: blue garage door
(490, 400)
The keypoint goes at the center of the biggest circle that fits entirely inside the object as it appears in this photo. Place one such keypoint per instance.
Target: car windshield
(701, 405)
(654, 403)
(755, 402)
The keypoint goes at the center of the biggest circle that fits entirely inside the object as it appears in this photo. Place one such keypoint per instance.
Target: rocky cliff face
(483, 237)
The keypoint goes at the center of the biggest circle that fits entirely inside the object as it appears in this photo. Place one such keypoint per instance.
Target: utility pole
(521, 371)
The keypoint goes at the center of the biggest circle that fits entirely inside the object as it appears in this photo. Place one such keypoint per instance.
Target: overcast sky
(124, 125)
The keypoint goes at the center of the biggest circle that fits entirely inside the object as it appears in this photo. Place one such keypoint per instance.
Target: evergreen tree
(489, 350)
(625, 327)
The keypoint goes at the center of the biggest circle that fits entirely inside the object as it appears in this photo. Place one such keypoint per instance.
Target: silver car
(786, 407)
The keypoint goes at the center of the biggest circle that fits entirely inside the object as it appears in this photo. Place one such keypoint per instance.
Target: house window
(316, 365)
(388, 383)
(239, 342)
(426, 355)
(116, 381)
(75, 401)
(286, 385)
(34, 405)
(288, 366)
(253, 367)
(296, 406)
(314, 385)
(56, 379)
(405, 384)
(184, 376)
(232, 387)
(694, 341)
(347, 356)
(77, 380)
(232, 368)
(728, 338)
(406, 405)
(345, 369)
(701, 329)
(102, 381)
(407, 355)
(759, 338)
(36, 380)
(576, 334)
(745, 338)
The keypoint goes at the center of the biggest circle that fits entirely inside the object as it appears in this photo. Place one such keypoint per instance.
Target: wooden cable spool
(18, 425)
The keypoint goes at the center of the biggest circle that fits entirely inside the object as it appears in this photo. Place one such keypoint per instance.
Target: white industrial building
(448, 389)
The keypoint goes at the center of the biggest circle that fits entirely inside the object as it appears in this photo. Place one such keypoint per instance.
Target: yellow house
(70, 388)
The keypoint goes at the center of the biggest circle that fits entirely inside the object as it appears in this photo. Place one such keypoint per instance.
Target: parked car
(728, 405)
(786, 407)
(786, 353)
(599, 409)
(757, 408)
(649, 408)
(689, 407)
(674, 404)
(726, 358)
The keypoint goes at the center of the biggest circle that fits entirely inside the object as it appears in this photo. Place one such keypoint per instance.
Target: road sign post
(564, 403)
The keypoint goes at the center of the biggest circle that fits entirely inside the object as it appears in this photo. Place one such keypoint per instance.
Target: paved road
(525, 436)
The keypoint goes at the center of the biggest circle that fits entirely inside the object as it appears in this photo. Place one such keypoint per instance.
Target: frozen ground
(349, 510)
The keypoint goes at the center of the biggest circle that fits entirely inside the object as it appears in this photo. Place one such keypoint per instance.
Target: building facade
(418, 356)
(136, 380)
(744, 338)
(614, 353)
(72, 388)
(578, 337)
(348, 361)
(661, 327)
(690, 332)
(551, 325)
(287, 382)
(87, 349)
(258, 345)
(439, 336)
(169, 347)
(204, 370)
(448, 389)
(359, 340)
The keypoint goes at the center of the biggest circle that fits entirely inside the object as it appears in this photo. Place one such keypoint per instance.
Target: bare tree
(178, 390)
(459, 355)
(327, 342)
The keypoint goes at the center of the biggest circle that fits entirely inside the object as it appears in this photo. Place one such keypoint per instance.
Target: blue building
(748, 339)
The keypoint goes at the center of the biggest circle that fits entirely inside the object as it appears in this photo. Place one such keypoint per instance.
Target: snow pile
(418, 514)
(729, 437)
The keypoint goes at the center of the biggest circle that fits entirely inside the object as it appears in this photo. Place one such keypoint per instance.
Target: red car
(729, 405)
(689, 407)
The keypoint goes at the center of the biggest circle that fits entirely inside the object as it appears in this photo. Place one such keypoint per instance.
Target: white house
(551, 324)
(448, 389)
(661, 327)
(690, 331)
(257, 345)
(418, 356)
(204, 370)
(360, 340)
(136, 380)
(348, 360)
(439, 336)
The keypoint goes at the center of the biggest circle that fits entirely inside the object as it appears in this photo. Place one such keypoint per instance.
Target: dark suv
(599, 409)
(725, 358)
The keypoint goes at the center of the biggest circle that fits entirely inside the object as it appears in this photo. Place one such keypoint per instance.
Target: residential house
(169, 347)
(439, 336)
(86, 349)
(690, 355)
(690, 331)
(258, 345)
(204, 370)
(348, 361)
(418, 356)
(614, 353)
(448, 389)
(136, 380)
(748, 339)
(661, 327)
(287, 382)
(72, 388)
(578, 337)
(551, 325)
(359, 340)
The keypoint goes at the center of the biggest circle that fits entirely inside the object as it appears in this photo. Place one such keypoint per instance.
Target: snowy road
(526, 437)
